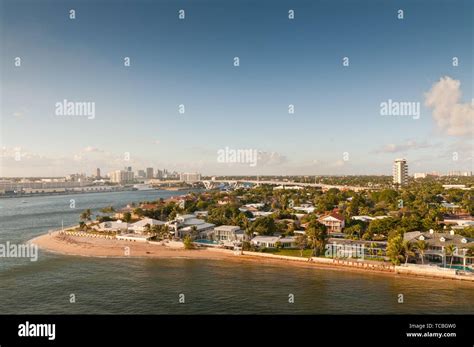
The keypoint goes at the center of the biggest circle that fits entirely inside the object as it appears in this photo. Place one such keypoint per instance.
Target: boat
(143, 187)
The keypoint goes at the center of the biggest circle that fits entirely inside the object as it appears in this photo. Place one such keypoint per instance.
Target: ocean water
(153, 286)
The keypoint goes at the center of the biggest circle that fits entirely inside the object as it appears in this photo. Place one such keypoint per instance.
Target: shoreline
(57, 243)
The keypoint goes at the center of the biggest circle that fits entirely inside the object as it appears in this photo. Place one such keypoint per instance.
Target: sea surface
(154, 286)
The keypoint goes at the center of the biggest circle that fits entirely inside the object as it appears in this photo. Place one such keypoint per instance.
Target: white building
(417, 175)
(228, 233)
(121, 176)
(265, 241)
(187, 223)
(190, 177)
(271, 241)
(400, 172)
(141, 226)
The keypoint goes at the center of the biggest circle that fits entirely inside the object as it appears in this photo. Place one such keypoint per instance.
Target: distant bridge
(285, 184)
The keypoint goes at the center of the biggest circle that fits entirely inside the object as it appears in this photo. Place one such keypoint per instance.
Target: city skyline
(343, 121)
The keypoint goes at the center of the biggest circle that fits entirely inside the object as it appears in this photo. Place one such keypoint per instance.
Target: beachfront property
(438, 243)
(228, 233)
(333, 221)
(188, 224)
(274, 241)
(144, 225)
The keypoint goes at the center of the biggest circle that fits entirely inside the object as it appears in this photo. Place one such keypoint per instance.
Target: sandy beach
(100, 247)
(59, 243)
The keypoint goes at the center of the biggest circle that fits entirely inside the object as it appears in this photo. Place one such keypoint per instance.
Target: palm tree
(372, 247)
(317, 235)
(86, 215)
(147, 228)
(395, 249)
(194, 232)
(421, 246)
(301, 242)
(450, 250)
(408, 250)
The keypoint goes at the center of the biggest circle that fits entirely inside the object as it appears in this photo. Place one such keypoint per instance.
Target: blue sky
(190, 62)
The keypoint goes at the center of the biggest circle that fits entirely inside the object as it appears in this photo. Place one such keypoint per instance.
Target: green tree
(86, 215)
(421, 246)
(301, 242)
(395, 249)
(127, 217)
(108, 209)
(408, 250)
(188, 242)
(317, 236)
(264, 226)
(450, 251)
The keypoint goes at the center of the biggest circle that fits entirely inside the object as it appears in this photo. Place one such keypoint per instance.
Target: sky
(337, 127)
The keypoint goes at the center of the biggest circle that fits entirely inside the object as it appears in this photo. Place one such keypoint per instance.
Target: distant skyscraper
(128, 168)
(149, 172)
(141, 173)
(97, 173)
(400, 172)
(121, 176)
(190, 177)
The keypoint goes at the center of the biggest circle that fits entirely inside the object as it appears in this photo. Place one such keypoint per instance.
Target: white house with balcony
(145, 225)
(188, 224)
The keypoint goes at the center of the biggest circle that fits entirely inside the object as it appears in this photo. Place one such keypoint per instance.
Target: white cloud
(403, 147)
(451, 116)
(271, 158)
(91, 149)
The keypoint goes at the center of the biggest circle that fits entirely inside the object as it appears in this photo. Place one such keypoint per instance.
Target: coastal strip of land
(101, 247)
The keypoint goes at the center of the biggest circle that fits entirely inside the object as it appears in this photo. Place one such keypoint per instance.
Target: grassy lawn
(289, 252)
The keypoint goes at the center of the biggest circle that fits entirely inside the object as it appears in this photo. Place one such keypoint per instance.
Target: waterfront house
(333, 221)
(273, 241)
(228, 233)
(437, 244)
(265, 241)
(144, 225)
(288, 242)
(188, 224)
